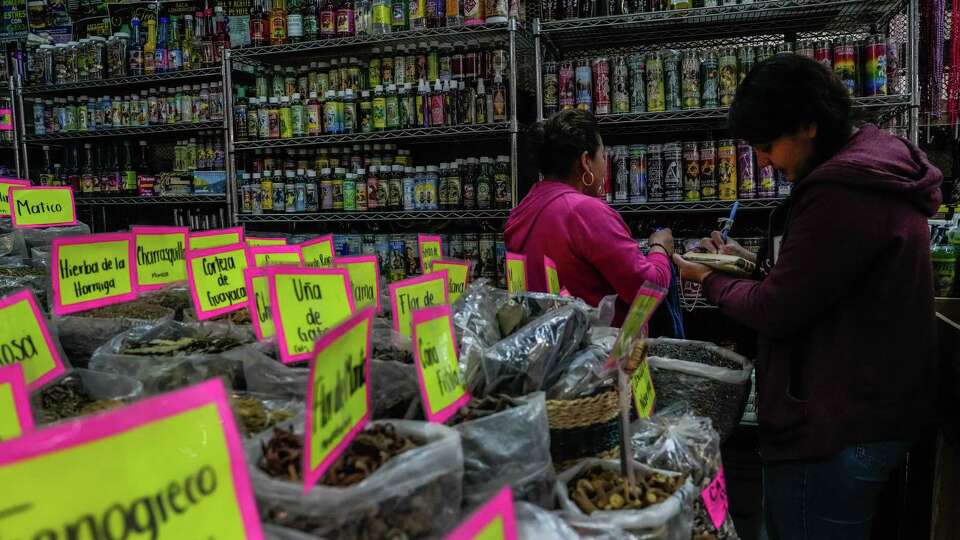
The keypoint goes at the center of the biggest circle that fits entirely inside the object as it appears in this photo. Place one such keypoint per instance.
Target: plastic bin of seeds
(658, 507)
(172, 355)
(81, 392)
(714, 381)
(397, 479)
(81, 334)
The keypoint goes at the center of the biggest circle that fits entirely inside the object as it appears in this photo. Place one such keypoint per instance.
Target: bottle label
(256, 31)
(295, 25)
(381, 14)
(328, 23)
(398, 14)
(310, 26)
(278, 29)
(379, 113)
(345, 22)
(136, 62)
(436, 110)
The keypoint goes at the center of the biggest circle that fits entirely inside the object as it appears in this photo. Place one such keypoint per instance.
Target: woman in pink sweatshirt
(564, 217)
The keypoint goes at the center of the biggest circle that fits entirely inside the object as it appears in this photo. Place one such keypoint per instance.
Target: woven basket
(585, 427)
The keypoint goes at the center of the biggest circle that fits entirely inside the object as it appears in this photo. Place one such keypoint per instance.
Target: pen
(725, 232)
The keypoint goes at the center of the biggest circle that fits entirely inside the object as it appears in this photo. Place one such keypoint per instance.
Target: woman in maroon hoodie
(564, 218)
(842, 303)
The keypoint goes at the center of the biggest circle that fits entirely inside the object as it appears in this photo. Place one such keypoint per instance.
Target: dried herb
(240, 316)
(485, 406)
(22, 271)
(597, 488)
(254, 416)
(182, 346)
(137, 309)
(372, 449)
(388, 352)
(67, 399)
(175, 299)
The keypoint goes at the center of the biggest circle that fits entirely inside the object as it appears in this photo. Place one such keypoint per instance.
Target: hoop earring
(593, 178)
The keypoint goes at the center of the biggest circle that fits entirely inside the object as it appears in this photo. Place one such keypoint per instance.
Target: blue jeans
(830, 499)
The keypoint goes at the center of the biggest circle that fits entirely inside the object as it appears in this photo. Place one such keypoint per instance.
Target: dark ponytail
(559, 141)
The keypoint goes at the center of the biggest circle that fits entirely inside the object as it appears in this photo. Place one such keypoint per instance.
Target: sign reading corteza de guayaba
(92, 271)
(216, 278)
(171, 466)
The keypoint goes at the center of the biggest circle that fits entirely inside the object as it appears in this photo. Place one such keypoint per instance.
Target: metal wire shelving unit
(192, 75)
(356, 217)
(134, 131)
(694, 206)
(413, 135)
(124, 200)
(520, 44)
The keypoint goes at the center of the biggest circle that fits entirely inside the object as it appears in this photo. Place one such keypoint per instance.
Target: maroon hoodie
(845, 316)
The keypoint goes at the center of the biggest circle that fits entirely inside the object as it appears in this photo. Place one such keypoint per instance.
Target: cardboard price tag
(261, 256)
(258, 302)
(516, 273)
(553, 277)
(715, 499)
(644, 304)
(415, 293)
(92, 271)
(256, 242)
(15, 416)
(216, 238)
(33, 207)
(644, 395)
(495, 520)
(364, 279)
(5, 185)
(216, 278)
(458, 275)
(25, 340)
(161, 255)
(431, 249)
(338, 394)
(435, 351)
(180, 459)
(318, 253)
(305, 303)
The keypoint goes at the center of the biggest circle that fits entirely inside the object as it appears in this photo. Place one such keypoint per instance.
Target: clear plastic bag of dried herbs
(536, 523)
(83, 333)
(669, 519)
(511, 446)
(416, 494)
(676, 440)
(12, 244)
(172, 355)
(82, 392)
(19, 273)
(43, 236)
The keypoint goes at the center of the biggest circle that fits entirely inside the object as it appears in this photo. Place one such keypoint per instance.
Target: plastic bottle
(380, 17)
(418, 14)
(258, 24)
(350, 190)
(328, 19)
(423, 104)
(297, 117)
(392, 108)
(499, 100)
(278, 22)
(330, 120)
(150, 48)
(174, 50)
(346, 19)
(437, 105)
(135, 49)
(313, 114)
(379, 109)
(349, 112)
(311, 22)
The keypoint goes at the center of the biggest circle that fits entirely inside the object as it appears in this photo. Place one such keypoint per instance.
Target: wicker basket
(585, 427)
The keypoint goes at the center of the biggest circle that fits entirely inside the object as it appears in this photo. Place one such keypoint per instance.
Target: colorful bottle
(278, 23)
(135, 48)
(150, 48)
(258, 24)
(345, 19)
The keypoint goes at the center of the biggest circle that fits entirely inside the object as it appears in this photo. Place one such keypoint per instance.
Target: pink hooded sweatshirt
(592, 246)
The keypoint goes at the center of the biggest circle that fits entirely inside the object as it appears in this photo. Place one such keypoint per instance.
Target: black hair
(786, 93)
(559, 141)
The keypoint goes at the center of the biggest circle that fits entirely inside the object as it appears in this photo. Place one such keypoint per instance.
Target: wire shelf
(730, 20)
(351, 217)
(876, 107)
(159, 199)
(137, 131)
(447, 133)
(273, 53)
(106, 85)
(694, 206)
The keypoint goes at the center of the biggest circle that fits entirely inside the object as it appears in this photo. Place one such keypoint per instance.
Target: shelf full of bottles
(674, 81)
(405, 79)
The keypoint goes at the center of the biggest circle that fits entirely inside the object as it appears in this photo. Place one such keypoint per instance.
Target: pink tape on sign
(715, 499)
(499, 507)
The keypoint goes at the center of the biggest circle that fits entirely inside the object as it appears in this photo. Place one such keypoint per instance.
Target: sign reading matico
(92, 271)
(306, 302)
(161, 255)
(415, 293)
(180, 458)
(32, 207)
(216, 277)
